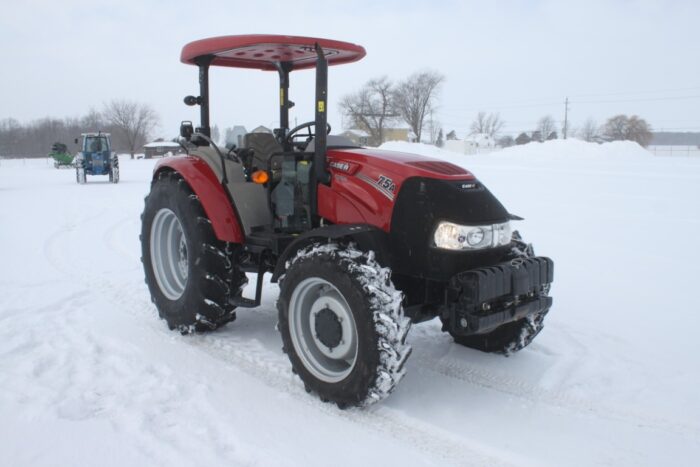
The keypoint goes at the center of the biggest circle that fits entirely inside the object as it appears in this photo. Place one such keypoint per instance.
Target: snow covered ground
(90, 376)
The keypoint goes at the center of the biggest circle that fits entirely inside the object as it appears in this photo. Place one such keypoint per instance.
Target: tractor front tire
(506, 339)
(191, 274)
(114, 171)
(342, 325)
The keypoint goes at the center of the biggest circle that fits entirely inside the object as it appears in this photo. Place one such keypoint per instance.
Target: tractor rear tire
(342, 325)
(80, 175)
(192, 276)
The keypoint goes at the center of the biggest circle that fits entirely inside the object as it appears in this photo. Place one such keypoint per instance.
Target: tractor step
(262, 239)
(244, 302)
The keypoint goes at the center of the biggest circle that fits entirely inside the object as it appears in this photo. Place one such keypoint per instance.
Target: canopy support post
(203, 63)
(285, 104)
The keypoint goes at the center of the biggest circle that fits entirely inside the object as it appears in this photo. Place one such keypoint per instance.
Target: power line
(546, 102)
(627, 93)
(648, 99)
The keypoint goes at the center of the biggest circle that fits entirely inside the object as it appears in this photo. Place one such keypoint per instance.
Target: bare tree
(440, 141)
(94, 121)
(589, 131)
(415, 98)
(622, 127)
(34, 139)
(215, 134)
(370, 109)
(506, 141)
(132, 121)
(489, 124)
(615, 128)
(522, 138)
(546, 126)
(433, 127)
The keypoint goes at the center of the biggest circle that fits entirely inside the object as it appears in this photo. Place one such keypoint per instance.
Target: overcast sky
(519, 58)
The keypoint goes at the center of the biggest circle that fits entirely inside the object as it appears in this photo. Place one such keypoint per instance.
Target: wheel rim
(169, 254)
(323, 330)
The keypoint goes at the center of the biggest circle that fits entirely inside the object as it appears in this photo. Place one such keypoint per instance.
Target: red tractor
(362, 241)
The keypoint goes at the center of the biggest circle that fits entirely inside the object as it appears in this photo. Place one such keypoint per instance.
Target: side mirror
(186, 130)
(191, 100)
(76, 140)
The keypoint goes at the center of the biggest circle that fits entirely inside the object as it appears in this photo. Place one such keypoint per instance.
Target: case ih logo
(384, 184)
(344, 166)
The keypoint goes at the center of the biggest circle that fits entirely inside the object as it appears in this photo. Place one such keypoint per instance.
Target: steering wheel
(295, 133)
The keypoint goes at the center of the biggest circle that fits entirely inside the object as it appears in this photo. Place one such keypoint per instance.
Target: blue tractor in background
(96, 158)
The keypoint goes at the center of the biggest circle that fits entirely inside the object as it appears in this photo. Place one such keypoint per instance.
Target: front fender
(367, 237)
(208, 188)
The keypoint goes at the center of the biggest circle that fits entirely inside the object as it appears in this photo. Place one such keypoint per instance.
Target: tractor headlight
(471, 237)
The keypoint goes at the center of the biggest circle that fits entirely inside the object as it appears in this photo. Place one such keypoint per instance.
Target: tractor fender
(208, 188)
(366, 237)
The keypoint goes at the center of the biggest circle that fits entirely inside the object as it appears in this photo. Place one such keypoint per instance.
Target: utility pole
(566, 116)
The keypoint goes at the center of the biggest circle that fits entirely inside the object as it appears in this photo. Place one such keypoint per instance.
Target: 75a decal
(383, 184)
(386, 183)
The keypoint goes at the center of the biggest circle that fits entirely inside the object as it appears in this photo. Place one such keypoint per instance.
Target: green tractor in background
(62, 158)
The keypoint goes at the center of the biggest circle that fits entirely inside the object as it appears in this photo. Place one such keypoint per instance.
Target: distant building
(398, 134)
(363, 138)
(675, 138)
(161, 148)
(261, 129)
(479, 143)
(359, 137)
(235, 136)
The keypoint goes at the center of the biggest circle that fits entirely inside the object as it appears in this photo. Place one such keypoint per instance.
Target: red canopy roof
(264, 51)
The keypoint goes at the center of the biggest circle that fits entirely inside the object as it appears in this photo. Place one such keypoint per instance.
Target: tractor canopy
(282, 54)
(266, 52)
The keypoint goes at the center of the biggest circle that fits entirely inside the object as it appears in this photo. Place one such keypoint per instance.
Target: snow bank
(550, 149)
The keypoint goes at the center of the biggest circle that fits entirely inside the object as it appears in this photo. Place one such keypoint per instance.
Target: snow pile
(571, 148)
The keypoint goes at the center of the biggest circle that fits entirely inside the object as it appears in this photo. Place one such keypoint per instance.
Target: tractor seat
(264, 145)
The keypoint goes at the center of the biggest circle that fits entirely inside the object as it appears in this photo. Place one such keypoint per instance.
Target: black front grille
(420, 205)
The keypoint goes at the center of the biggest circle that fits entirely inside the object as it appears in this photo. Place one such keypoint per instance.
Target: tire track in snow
(256, 359)
(114, 238)
(538, 395)
(52, 251)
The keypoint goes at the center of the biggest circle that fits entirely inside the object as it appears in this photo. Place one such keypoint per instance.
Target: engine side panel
(250, 199)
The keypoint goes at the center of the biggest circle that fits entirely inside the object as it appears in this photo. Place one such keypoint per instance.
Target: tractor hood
(407, 195)
(394, 164)
(367, 184)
